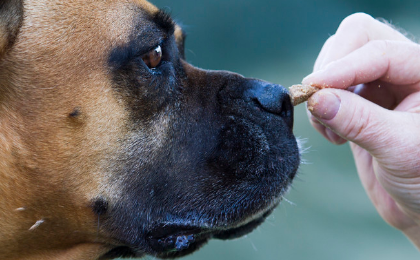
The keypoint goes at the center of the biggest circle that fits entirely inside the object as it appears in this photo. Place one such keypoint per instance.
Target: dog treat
(300, 93)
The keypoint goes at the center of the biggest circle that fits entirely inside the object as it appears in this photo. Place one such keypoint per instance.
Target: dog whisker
(301, 145)
(290, 202)
(252, 243)
(97, 228)
(303, 150)
(36, 225)
(191, 51)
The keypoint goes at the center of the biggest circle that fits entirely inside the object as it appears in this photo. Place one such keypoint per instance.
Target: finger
(355, 31)
(390, 61)
(323, 53)
(356, 119)
(410, 104)
(324, 131)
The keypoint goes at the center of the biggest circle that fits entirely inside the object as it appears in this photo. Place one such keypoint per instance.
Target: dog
(112, 145)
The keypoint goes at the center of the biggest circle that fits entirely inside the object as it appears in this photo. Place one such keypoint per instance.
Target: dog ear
(11, 16)
(180, 40)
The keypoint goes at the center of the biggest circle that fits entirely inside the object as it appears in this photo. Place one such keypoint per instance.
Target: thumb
(357, 119)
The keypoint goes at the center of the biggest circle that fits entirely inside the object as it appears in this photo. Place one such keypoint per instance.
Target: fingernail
(311, 78)
(324, 105)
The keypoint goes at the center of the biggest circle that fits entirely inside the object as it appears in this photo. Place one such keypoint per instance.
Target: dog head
(109, 137)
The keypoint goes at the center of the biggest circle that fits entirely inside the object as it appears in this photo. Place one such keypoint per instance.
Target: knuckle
(360, 126)
(379, 45)
(355, 21)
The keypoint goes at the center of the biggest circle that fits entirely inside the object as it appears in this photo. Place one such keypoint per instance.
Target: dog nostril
(273, 99)
(286, 108)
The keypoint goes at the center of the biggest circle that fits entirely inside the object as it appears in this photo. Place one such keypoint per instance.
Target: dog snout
(271, 98)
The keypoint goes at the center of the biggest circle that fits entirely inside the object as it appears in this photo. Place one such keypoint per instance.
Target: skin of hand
(380, 115)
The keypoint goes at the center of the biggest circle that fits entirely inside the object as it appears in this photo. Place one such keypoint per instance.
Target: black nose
(272, 98)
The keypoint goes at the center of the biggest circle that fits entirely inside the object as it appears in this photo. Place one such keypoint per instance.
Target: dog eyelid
(153, 58)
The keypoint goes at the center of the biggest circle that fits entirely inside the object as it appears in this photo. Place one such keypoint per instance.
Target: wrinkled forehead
(85, 30)
(123, 19)
(120, 21)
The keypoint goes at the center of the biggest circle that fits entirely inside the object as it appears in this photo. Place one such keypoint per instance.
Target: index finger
(355, 31)
(394, 62)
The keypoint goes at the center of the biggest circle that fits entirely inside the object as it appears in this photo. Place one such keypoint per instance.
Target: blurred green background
(329, 215)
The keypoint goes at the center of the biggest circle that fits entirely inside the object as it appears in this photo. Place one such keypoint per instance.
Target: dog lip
(243, 229)
(170, 237)
(170, 229)
(182, 242)
(175, 239)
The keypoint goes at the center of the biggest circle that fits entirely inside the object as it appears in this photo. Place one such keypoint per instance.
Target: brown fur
(46, 168)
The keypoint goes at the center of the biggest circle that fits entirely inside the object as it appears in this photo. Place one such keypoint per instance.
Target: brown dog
(112, 145)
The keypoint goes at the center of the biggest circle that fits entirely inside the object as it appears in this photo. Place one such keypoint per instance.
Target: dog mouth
(177, 240)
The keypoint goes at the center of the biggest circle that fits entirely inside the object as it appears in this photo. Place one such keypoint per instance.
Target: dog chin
(176, 240)
(180, 238)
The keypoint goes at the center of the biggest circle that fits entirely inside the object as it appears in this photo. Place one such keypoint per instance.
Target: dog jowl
(111, 144)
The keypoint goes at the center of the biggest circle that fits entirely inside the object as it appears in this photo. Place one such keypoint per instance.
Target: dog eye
(153, 58)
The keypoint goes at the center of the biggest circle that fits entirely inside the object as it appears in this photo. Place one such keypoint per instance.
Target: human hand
(380, 114)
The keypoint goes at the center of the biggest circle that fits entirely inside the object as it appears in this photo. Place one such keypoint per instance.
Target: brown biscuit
(301, 93)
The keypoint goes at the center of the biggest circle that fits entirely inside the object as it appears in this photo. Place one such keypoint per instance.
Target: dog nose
(271, 98)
